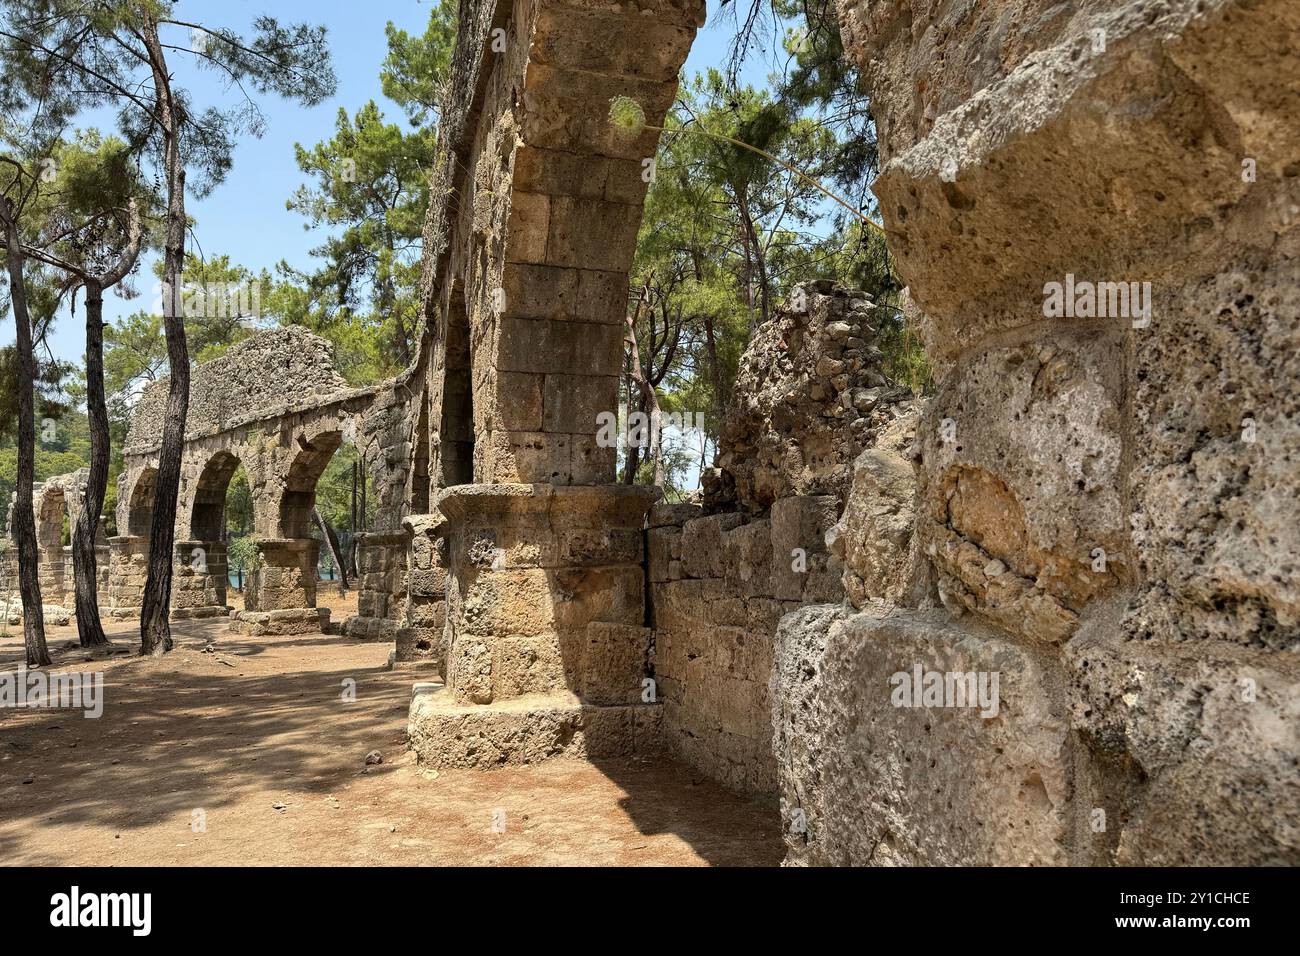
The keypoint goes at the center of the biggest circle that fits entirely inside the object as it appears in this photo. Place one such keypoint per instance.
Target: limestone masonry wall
(1103, 510)
(259, 377)
(718, 585)
(810, 397)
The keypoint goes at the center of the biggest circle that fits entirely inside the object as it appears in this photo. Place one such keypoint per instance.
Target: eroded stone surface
(809, 396)
(1099, 497)
(866, 782)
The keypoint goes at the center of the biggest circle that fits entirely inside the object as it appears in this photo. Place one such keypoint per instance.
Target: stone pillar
(381, 585)
(545, 636)
(102, 559)
(547, 648)
(52, 572)
(199, 580)
(68, 596)
(280, 596)
(421, 638)
(128, 569)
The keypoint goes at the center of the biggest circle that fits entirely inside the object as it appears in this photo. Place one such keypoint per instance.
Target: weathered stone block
(747, 558)
(664, 514)
(799, 527)
(703, 554)
(614, 663)
(1193, 748)
(572, 402)
(660, 543)
(881, 781)
(528, 227)
(519, 401)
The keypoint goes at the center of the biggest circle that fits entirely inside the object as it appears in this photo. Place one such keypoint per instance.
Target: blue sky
(245, 217)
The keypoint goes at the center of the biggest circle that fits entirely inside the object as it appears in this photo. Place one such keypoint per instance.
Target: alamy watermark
(72, 690)
(130, 910)
(923, 688)
(210, 300)
(1098, 300)
(645, 429)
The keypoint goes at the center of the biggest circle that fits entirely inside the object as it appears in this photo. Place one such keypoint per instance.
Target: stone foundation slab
(303, 620)
(525, 730)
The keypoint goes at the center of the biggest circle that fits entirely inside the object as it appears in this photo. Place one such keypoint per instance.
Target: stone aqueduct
(1021, 140)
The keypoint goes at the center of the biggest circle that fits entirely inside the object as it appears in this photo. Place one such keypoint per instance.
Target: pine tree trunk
(24, 520)
(84, 571)
(155, 626)
(332, 542)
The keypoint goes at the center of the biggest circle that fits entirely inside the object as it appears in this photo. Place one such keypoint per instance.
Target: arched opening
(299, 500)
(202, 576)
(140, 510)
(327, 500)
(456, 430)
(207, 522)
(53, 536)
(346, 503)
(238, 530)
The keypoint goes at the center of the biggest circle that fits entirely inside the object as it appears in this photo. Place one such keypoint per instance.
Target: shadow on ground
(249, 753)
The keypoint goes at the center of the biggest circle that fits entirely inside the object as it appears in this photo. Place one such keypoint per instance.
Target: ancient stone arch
(1045, 517)
(57, 502)
(275, 405)
(1080, 509)
(526, 266)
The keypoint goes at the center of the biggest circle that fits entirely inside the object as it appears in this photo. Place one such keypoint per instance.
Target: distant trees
(726, 233)
(69, 55)
(90, 230)
(372, 185)
(369, 184)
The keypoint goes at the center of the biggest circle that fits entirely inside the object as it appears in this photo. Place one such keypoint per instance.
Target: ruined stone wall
(56, 500)
(719, 584)
(810, 396)
(380, 584)
(258, 378)
(421, 637)
(1100, 493)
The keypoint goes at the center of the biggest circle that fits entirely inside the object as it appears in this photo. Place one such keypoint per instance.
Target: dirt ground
(255, 734)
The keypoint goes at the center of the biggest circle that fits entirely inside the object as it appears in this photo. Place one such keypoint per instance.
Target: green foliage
(334, 493)
(239, 505)
(820, 78)
(369, 179)
(242, 554)
(223, 303)
(414, 73)
(726, 233)
(70, 55)
(48, 464)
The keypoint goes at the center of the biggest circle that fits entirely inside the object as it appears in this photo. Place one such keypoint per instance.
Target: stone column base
(381, 586)
(127, 568)
(546, 650)
(526, 730)
(198, 613)
(294, 620)
(422, 639)
(199, 580)
(420, 645)
(280, 597)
